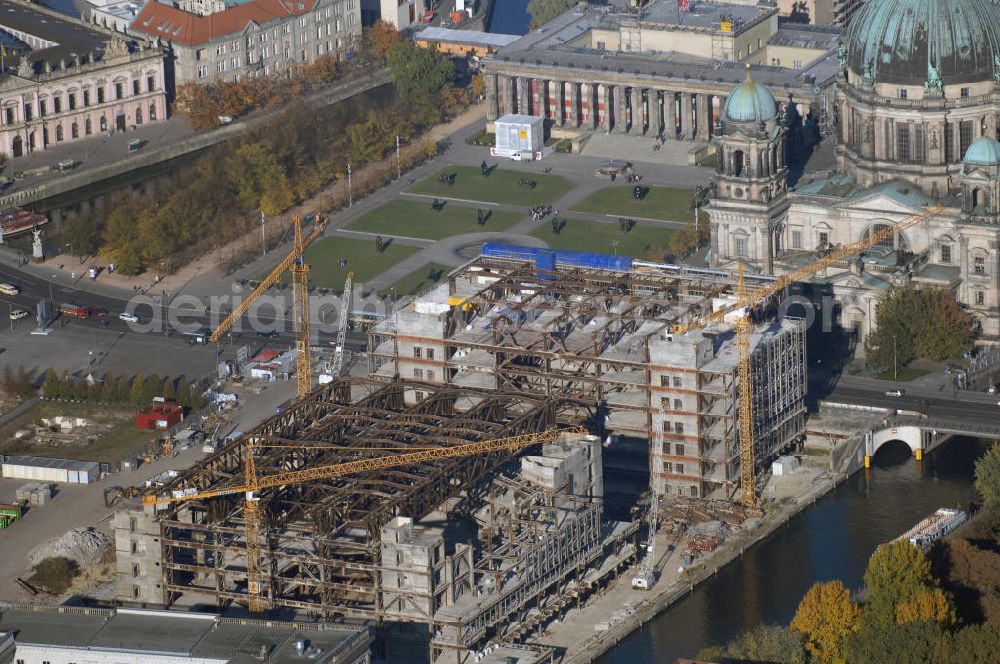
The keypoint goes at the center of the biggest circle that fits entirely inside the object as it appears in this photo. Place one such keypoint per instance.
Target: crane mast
(294, 263)
(744, 388)
(646, 577)
(300, 299)
(345, 310)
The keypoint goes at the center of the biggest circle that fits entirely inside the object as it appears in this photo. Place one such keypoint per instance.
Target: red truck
(74, 310)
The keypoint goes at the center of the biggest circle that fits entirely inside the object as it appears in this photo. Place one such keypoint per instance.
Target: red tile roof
(180, 27)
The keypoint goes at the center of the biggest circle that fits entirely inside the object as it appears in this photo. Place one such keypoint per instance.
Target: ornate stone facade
(70, 82)
(916, 126)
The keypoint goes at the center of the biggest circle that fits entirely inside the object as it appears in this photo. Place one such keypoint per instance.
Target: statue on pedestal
(36, 244)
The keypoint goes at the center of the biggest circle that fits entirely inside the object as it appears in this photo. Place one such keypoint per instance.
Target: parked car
(99, 312)
(18, 314)
(269, 334)
(895, 393)
(128, 318)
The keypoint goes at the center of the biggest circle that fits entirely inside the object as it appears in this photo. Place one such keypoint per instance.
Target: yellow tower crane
(300, 297)
(748, 301)
(253, 484)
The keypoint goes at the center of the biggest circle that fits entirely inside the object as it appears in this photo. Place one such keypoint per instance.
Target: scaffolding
(603, 336)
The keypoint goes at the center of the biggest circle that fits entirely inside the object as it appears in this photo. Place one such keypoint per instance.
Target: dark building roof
(177, 634)
(911, 42)
(71, 37)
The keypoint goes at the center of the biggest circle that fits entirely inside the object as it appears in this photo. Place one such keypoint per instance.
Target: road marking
(449, 198)
(658, 221)
(395, 237)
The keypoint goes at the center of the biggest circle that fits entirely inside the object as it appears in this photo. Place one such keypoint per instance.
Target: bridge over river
(923, 417)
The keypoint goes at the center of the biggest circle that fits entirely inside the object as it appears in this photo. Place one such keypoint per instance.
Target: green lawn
(413, 219)
(599, 237)
(667, 203)
(500, 187)
(419, 280)
(905, 374)
(362, 260)
(121, 439)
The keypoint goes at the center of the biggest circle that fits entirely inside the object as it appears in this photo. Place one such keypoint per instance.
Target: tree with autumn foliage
(382, 35)
(896, 573)
(199, 104)
(419, 72)
(477, 87)
(928, 605)
(825, 617)
(918, 323)
(988, 478)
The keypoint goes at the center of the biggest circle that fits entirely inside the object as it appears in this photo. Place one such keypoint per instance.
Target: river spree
(510, 17)
(833, 539)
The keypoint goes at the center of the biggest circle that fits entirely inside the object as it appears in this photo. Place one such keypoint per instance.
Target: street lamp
(895, 367)
(350, 188)
(614, 243)
(263, 240)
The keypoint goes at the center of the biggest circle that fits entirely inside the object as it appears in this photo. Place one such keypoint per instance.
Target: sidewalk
(202, 276)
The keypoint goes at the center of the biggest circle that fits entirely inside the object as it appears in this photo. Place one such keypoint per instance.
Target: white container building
(41, 469)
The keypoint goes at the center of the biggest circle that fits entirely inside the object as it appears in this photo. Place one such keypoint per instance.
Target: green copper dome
(984, 151)
(750, 102)
(924, 42)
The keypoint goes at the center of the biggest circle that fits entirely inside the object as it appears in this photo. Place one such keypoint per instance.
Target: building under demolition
(480, 550)
(469, 547)
(597, 329)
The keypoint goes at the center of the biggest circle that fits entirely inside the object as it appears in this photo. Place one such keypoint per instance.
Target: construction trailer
(597, 328)
(159, 416)
(519, 134)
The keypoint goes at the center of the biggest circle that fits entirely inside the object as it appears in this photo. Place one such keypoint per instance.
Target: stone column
(991, 125)
(963, 254)
(714, 240)
(604, 105)
(621, 109)
(572, 96)
(492, 98)
(503, 95)
(769, 258)
(521, 93)
(701, 117)
(558, 104)
(670, 115)
(638, 114)
(537, 95)
(685, 111)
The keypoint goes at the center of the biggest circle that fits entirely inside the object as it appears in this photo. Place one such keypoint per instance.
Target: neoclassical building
(917, 100)
(63, 81)
(657, 70)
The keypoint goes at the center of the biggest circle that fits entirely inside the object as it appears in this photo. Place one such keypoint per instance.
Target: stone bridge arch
(915, 437)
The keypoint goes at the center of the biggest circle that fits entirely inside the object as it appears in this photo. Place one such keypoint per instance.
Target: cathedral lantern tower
(749, 199)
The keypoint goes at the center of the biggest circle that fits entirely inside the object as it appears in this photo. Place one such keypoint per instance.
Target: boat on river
(14, 221)
(934, 527)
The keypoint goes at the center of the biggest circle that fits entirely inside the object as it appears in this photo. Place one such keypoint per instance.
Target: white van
(520, 156)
